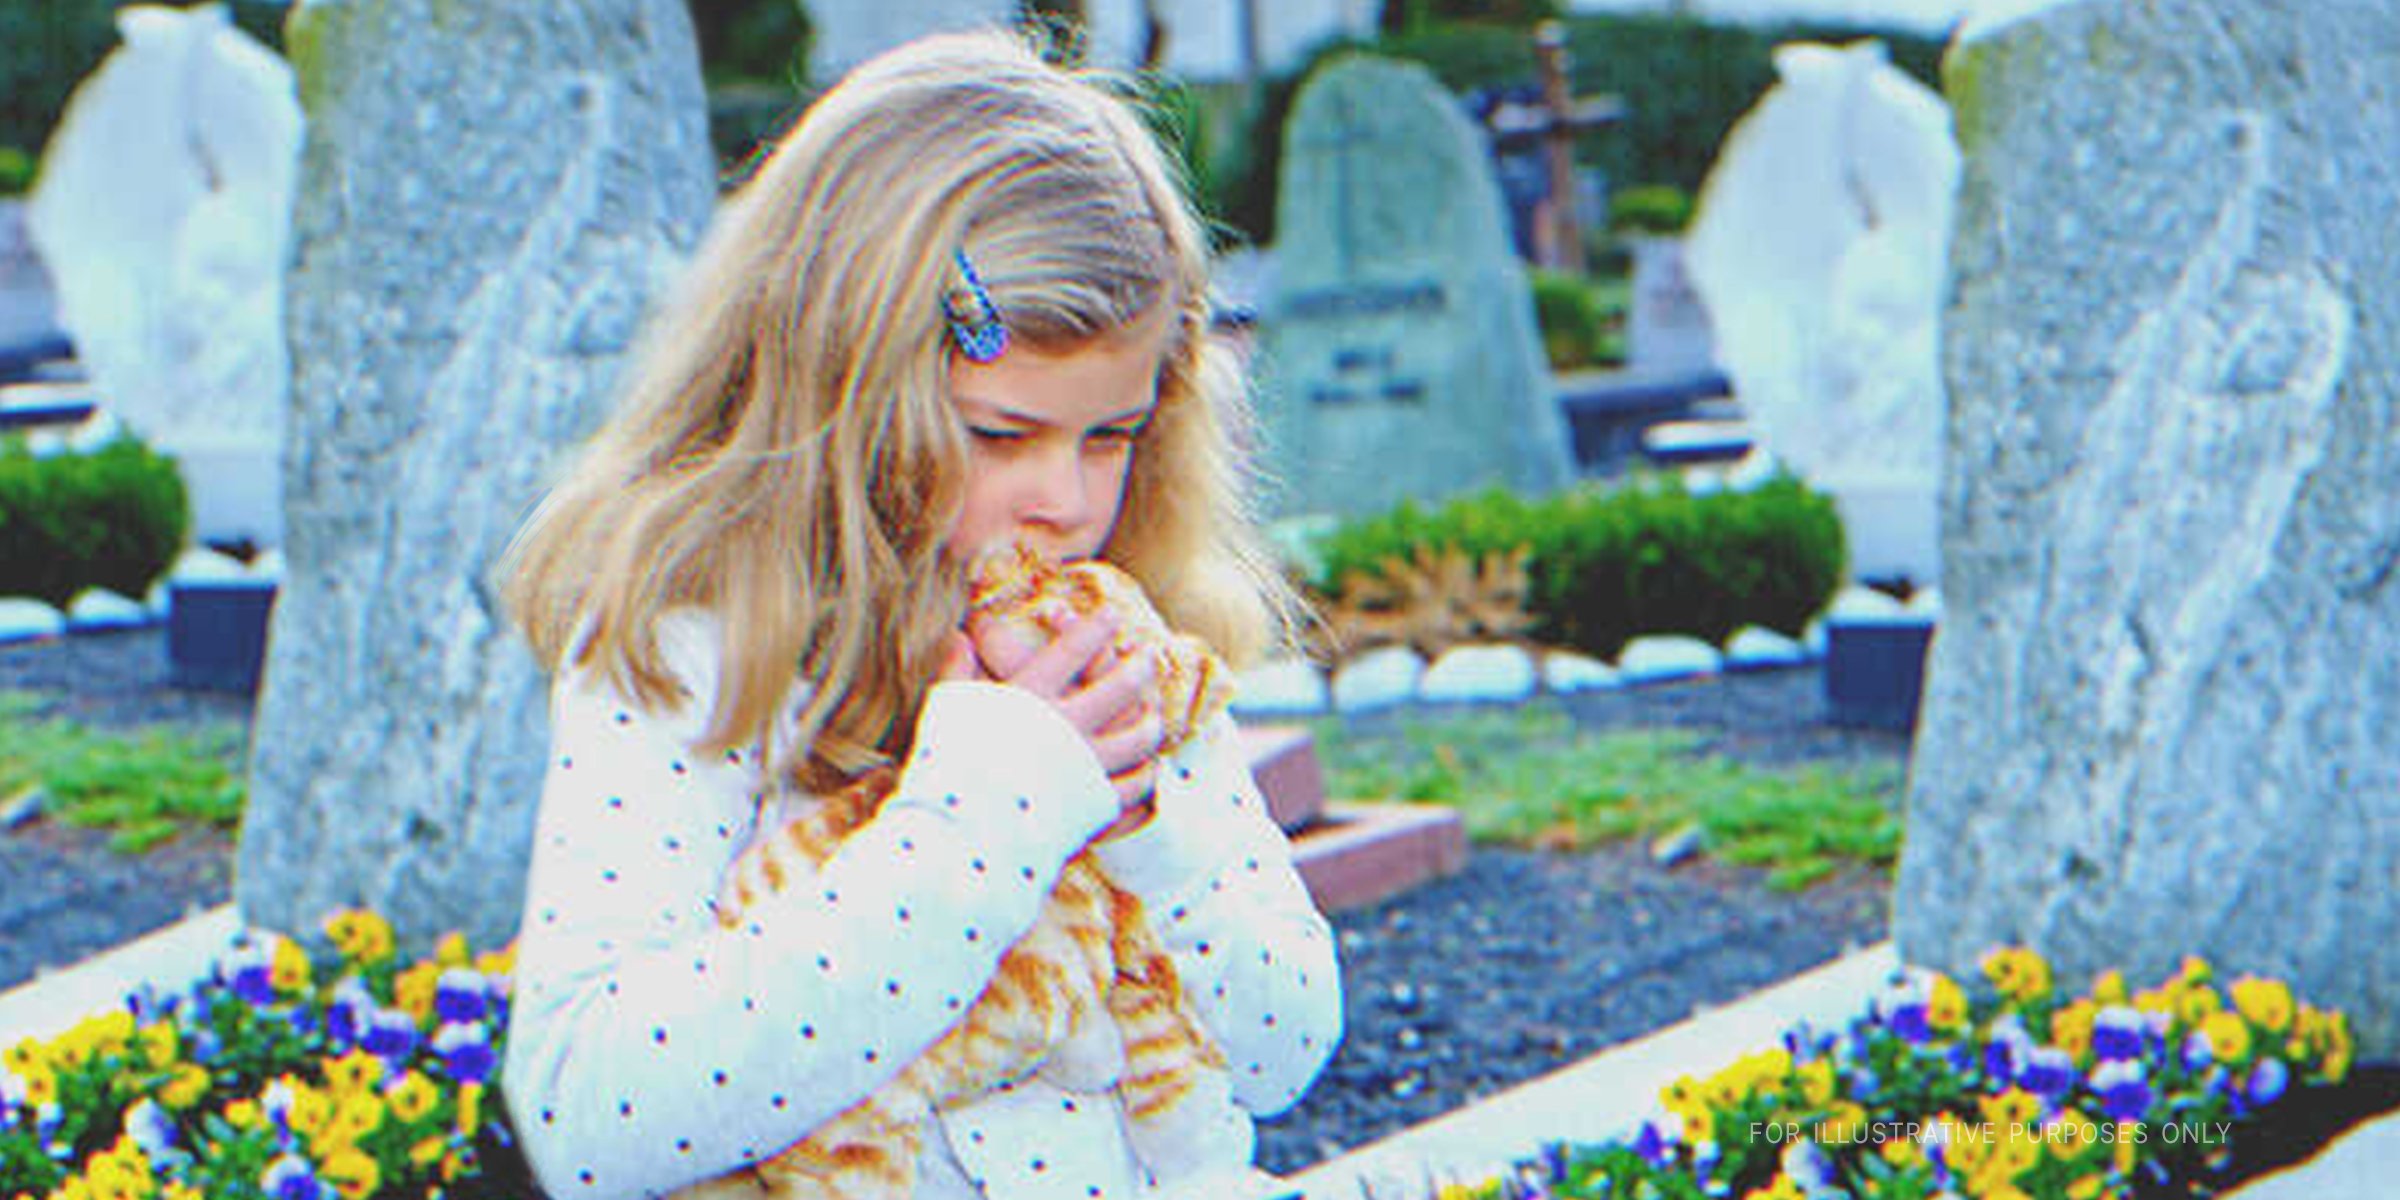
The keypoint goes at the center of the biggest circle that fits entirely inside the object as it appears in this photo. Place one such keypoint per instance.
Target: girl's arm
(1254, 955)
(649, 1048)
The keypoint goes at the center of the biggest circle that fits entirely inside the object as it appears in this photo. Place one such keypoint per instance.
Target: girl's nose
(1058, 498)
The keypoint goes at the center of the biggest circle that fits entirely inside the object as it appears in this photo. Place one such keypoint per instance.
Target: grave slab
(1360, 853)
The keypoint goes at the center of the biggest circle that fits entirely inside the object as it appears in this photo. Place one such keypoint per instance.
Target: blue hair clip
(980, 335)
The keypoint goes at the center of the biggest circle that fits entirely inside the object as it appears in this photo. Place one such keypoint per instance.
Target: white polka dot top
(650, 1049)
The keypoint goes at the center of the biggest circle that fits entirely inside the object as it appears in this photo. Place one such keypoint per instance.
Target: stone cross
(491, 194)
(2159, 712)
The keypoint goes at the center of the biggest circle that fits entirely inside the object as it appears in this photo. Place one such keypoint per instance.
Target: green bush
(114, 517)
(1658, 208)
(1611, 565)
(1573, 320)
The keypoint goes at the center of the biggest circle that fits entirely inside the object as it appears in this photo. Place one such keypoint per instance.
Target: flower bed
(271, 1080)
(1929, 1096)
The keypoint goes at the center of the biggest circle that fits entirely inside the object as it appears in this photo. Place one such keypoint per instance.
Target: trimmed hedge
(1608, 566)
(113, 517)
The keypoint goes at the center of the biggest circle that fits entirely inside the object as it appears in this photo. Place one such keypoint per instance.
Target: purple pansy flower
(391, 1035)
(2124, 1094)
(459, 997)
(466, 1052)
(1909, 1022)
(2117, 1033)
(254, 984)
(2048, 1072)
(288, 1178)
(1651, 1147)
(2268, 1081)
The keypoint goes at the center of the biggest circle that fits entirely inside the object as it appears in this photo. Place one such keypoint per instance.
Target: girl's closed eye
(995, 436)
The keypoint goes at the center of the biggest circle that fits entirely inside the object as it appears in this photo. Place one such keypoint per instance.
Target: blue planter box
(1875, 670)
(217, 633)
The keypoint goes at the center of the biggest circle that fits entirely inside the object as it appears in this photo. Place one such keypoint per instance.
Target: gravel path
(1518, 965)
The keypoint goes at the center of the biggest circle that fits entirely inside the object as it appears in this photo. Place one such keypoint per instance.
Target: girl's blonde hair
(786, 454)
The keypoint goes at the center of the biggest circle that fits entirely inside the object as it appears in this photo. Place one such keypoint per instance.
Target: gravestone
(2160, 709)
(1402, 356)
(1818, 253)
(491, 192)
(162, 212)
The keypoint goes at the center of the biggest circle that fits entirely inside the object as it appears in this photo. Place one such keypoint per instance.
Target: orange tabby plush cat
(1089, 976)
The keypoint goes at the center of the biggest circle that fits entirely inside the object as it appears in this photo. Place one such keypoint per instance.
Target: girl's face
(1052, 440)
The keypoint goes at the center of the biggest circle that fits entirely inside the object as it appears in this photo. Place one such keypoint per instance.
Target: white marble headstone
(1820, 249)
(162, 213)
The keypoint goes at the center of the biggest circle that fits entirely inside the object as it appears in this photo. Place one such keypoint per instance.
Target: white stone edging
(169, 959)
(1604, 1096)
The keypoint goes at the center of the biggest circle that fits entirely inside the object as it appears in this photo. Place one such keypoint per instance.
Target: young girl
(962, 305)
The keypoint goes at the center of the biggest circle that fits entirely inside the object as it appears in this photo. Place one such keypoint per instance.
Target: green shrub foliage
(114, 517)
(1571, 316)
(1608, 566)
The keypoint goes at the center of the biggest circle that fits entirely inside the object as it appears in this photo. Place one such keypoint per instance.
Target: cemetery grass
(1530, 776)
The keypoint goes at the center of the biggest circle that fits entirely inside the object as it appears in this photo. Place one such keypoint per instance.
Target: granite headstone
(490, 194)
(2159, 713)
(1402, 356)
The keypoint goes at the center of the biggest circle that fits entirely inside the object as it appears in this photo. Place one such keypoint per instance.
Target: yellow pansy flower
(2013, 1154)
(159, 1043)
(1816, 1083)
(2016, 1106)
(361, 936)
(2070, 1135)
(1902, 1152)
(427, 1151)
(186, 1086)
(470, 1108)
(27, 1054)
(351, 1173)
(41, 1086)
(1784, 1188)
(2194, 1005)
(2267, 1003)
(2109, 988)
(2004, 1191)
(2126, 1153)
(413, 989)
(359, 1115)
(356, 1071)
(412, 1097)
(288, 970)
(181, 1191)
(2018, 973)
(311, 1111)
(2338, 1047)
(1698, 1126)
(2195, 970)
(2228, 1036)
(2071, 1029)
(1946, 1007)
(497, 964)
(2086, 1188)
(1683, 1096)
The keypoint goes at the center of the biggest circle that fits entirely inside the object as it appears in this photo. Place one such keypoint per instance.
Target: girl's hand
(1103, 696)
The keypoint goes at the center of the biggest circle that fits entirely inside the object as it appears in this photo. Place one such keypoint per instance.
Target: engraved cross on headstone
(1348, 136)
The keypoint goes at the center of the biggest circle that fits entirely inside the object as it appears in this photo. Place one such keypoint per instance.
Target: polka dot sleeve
(651, 1048)
(1215, 874)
